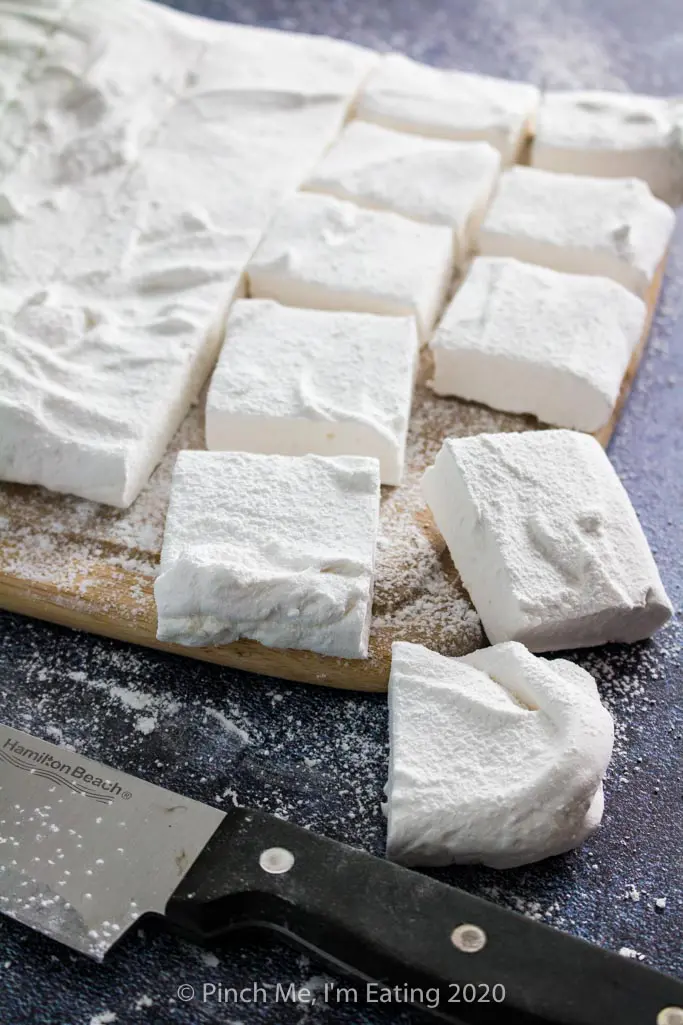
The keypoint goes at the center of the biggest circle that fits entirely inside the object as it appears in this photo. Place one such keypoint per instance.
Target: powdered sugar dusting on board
(100, 559)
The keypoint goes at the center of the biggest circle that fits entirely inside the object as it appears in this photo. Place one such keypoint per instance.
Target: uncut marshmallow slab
(324, 253)
(25, 29)
(613, 135)
(496, 757)
(293, 381)
(274, 548)
(545, 539)
(412, 97)
(531, 340)
(582, 225)
(433, 180)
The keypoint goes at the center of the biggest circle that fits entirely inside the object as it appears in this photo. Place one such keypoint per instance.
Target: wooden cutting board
(92, 568)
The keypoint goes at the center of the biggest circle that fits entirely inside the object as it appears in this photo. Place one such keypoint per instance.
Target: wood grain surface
(111, 591)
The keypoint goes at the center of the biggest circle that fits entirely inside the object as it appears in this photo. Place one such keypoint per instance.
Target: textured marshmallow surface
(89, 401)
(413, 97)
(76, 129)
(497, 757)
(293, 381)
(126, 98)
(531, 340)
(614, 228)
(324, 253)
(114, 216)
(26, 29)
(274, 548)
(613, 135)
(545, 539)
(433, 180)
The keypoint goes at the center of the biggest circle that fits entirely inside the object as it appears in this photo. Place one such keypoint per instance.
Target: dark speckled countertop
(318, 756)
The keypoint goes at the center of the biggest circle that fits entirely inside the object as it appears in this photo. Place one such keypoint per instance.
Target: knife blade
(87, 851)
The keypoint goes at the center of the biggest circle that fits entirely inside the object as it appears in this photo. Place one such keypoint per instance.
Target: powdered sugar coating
(273, 548)
(613, 135)
(614, 228)
(324, 253)
(89, 400)
(512, 774)
(293, 381)
(116, 155)
(412, 97)
(532, 340)
(76, 130)
(433, 180)
(546, 540)
(26, 29)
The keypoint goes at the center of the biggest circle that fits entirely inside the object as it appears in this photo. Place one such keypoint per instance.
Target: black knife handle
(378, 921)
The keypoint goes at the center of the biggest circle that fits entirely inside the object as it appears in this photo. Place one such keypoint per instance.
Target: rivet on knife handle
(376, 920)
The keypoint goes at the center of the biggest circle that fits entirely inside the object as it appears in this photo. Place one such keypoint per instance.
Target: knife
(87, 851)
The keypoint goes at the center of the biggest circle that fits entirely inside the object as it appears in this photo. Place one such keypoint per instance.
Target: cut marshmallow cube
(412, 97)
(323, 253)
(613, 135)
(531, 340)
(433, 180)
(545, 539)
(278, 549)
(496, 757)
(294, 381)
(91, 397)
(614, 228)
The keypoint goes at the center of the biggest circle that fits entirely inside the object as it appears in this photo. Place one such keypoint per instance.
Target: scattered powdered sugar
(101, 562)
(630, 952)
(228, 725)
(554, 48)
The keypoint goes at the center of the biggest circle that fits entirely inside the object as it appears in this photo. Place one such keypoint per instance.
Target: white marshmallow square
(293, 381)
(433, 180)
(412, 97)
(611, 227)
(545, 539)
(613, 135)
(496, 757)
(527, 339)
(324, 253)
(92, 392)
(278, 549)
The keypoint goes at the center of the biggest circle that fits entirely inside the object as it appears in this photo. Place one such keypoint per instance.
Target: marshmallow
(26, 28)
(273, 548)
(80, 125)
(613, 135)
(433, 180)
(323, 253)
(545, 539)
(261, 108)
(293, 381)
(496, 757)
(413, 97)
(613, 228)
(89, 399)
(147, 243)
(530, 340)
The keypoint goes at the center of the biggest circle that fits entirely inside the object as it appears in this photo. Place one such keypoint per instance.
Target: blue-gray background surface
(320, 756)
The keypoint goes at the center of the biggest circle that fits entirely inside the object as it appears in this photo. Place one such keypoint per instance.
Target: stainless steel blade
(85, 850)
